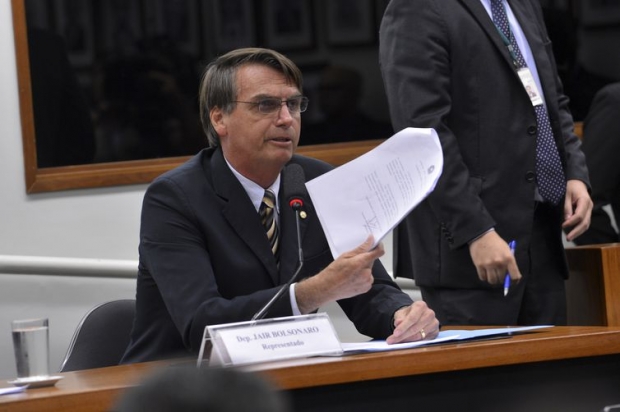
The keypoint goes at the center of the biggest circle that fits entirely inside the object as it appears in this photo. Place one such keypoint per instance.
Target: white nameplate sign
(270, 339)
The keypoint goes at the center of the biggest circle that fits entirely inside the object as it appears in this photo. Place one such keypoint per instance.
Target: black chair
(101, 337)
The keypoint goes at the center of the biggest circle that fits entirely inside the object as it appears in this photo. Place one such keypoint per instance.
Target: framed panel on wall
(74, 22)
(288, 24)
(121, 26)
(177, 20)
(39, 14)
(123, 55)
(232, 22)
(350, 22)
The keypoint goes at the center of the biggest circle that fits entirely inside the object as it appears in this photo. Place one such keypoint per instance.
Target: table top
(95, 389)
(555, 343)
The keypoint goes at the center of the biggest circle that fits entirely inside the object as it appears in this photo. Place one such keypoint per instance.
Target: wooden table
(562, 368)
(593, 287)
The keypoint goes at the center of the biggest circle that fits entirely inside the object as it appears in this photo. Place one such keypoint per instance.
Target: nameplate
(269, 340)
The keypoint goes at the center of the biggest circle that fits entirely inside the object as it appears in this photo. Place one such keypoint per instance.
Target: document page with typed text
(374, 192)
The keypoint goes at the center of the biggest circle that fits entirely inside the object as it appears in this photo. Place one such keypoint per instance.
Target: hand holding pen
(493, 259)
(512, 245)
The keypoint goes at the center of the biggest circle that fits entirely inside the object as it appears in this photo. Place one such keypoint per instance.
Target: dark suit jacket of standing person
(205, 260)
(601, 145)
(445, 66)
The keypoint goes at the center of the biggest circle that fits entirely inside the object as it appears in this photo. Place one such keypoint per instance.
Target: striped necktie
(549, 173)
(268, 219)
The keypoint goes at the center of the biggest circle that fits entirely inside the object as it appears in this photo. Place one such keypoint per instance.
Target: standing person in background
(513, 167)
(601, 144)
(218, 239)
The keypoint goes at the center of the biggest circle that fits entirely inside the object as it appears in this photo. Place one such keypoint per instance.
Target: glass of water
(31, 344)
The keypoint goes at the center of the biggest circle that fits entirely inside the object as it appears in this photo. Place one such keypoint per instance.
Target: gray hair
(218, 87)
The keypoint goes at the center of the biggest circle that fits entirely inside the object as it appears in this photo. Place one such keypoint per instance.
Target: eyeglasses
(269, 105)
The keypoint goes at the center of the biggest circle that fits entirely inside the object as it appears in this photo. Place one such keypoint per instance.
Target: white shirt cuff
(291, 294)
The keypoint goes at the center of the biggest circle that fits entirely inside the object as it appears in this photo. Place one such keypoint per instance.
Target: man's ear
(218, 121)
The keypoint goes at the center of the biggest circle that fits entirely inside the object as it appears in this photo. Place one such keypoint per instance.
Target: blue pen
(512, 245)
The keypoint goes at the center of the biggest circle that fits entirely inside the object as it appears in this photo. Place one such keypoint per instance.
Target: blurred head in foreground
(190, 389)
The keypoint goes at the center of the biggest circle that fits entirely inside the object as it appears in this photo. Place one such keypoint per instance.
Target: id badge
(530, 86)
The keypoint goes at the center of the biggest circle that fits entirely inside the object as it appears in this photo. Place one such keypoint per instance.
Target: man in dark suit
(463, 67)
(205, 256)
(601, 145)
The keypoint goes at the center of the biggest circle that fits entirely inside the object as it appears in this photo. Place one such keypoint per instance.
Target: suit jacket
(446, 67)
(205, 260)
(601, 145)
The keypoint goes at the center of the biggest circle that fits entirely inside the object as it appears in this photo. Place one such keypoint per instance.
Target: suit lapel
(241, 215)
(479, 13)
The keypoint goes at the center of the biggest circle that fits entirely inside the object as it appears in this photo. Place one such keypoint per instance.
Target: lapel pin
(303, 214)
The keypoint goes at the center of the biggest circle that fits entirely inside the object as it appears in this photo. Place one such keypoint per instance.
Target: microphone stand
(296, 205)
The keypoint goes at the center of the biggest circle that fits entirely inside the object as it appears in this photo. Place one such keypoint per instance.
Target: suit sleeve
(416, 65)
(372, 312)
(601, 145)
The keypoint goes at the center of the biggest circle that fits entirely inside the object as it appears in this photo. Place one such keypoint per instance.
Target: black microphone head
(294, 185)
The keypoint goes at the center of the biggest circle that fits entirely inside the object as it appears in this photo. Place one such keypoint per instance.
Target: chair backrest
(101, 337)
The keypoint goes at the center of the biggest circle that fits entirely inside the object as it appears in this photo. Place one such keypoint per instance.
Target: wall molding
(85, 267)
(62, 266)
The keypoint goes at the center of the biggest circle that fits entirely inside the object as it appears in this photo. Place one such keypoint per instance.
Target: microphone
(294, 186)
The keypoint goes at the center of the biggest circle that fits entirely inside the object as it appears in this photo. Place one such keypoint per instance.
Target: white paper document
(382, 346)
(8, 391)
(374, 192)
(444, 336)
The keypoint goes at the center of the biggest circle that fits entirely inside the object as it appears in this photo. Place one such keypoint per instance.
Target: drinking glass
(31, 344)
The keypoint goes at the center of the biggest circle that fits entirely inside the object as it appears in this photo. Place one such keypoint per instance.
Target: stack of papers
(373, 193)
(444, 336)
